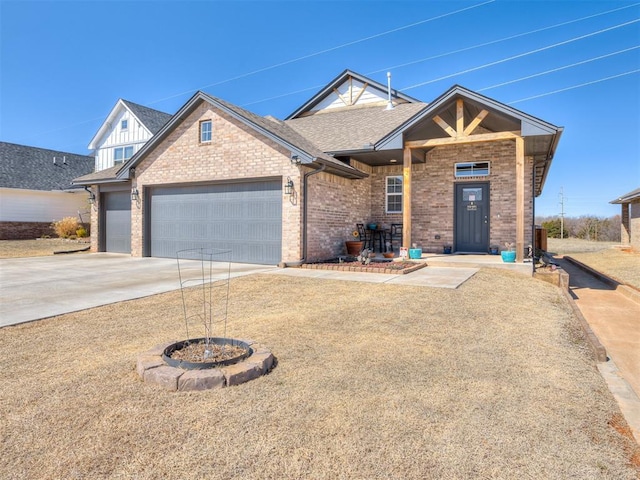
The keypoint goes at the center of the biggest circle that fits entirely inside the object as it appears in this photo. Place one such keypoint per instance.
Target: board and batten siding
(351, 92)
(136, 135)
(17, 205)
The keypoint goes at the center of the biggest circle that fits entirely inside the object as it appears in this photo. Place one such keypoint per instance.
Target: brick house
(462, 170)
(630, 218)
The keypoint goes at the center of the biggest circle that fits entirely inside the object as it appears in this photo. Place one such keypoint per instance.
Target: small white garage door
(245, 218)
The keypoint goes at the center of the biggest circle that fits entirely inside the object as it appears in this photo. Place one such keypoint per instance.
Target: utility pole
(561, 214)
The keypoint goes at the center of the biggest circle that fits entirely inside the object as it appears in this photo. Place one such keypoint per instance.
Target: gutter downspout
(305, 184)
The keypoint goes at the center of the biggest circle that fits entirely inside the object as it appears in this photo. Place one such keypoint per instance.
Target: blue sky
(63, 65)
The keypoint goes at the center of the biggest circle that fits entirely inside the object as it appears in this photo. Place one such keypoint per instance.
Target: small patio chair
(395, 234)
(365, 235)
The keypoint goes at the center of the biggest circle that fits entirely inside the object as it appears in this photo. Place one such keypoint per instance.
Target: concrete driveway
(41, 287)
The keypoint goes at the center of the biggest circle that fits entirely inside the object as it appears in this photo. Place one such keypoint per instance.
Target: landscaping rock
(241, 372)
(165, 376)
(201, 380)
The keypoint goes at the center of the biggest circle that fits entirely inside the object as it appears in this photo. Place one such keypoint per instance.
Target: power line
(315, 87)
(575, 86)
(520, 55)
(327, 50)
(558, 69)
(493, 42)
(453, 52)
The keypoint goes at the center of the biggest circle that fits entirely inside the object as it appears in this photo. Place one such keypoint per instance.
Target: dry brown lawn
(36, 248)
(492, 380)
(603, 257)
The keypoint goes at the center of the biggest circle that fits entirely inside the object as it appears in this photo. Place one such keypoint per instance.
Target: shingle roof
(628, 197)
(353, 129)
(103, 176)
(282, 130)
(154, 120)
(32, 168)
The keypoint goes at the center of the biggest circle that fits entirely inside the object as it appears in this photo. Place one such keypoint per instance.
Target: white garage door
(245, 218)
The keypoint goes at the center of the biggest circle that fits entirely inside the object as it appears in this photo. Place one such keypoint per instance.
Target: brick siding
(335, 204)
(235, 152)
(433, 189)
(634, 225)
(25, 230)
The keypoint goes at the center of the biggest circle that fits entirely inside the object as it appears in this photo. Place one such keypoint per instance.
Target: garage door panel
(117, 222)
(245, 218)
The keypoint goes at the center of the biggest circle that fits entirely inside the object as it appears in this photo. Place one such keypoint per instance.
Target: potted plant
(355, 246)
(446, 248)
(494, 249)
(415, 252)
(508, 255)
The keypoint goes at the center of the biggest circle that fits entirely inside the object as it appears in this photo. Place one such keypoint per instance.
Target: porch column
(519, 199)
(406, 198)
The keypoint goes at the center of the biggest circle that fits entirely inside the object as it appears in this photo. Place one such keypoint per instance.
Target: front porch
(475, 261)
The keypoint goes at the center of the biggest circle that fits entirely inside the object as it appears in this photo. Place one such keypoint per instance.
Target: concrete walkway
(615, 320)
(440, 277)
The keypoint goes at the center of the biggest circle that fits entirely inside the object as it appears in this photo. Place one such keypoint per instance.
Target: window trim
(118, 161)
(388, 194)
(472, 172)
(201, 132)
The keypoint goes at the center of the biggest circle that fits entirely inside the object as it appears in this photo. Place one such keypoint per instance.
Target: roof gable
(349, 90)
(271, 128)
(150, 119)
(33, 168)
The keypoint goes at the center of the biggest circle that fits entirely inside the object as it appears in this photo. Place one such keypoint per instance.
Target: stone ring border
(153, 369)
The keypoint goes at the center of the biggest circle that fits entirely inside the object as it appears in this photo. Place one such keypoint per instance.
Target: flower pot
(446, 249)
(415, 253)
(493, 250)
(388, 254)
(354, 247)
(508, 257)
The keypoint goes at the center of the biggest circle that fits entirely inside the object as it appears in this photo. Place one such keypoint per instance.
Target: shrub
(81, 232)
(66, 227)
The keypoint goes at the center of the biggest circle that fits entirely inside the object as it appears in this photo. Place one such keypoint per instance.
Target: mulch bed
(195, 353)
(397, 268)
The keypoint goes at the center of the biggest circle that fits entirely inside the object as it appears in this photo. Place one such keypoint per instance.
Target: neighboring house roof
(154, 120)
(33, 168)
(627, 197)
(151, 119)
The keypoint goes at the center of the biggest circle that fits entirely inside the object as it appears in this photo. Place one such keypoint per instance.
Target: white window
(122, 154)
(472, 169)
(394, 194)
(205, 131)
(124, 124)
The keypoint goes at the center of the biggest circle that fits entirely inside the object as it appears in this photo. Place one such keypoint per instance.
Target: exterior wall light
(135, 195)
(288, 187)
(295, 160)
